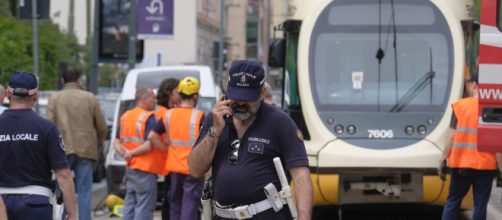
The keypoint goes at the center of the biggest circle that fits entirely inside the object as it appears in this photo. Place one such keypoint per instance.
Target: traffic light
(216, 49)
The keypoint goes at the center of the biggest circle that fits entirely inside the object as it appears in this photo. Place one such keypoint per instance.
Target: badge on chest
(256, 147)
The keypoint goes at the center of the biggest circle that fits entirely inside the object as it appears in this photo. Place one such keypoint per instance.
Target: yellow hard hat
(189, 85)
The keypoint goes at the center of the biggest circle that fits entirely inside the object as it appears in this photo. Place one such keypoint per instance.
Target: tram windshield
(389, 57)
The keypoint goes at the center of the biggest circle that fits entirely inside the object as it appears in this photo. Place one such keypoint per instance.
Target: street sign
(155, 19)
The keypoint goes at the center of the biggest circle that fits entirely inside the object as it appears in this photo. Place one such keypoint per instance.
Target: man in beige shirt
(78, 116)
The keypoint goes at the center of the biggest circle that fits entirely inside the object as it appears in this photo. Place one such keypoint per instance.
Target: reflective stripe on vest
(182, 129)
(132, 135)
(469, 134)
(190, 143)
(464, 152)
(139, 124)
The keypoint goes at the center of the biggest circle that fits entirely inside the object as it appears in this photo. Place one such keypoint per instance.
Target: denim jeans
(82, 169)
(461, 180)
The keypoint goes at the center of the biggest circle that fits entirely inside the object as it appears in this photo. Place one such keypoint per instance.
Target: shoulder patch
(61, 143)
(299, 135)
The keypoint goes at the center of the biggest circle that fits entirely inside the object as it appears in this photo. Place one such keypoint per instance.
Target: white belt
(243, 212)
(31, 189)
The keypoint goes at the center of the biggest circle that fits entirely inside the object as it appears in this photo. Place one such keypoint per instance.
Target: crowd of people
(231, 149)
(165, 134)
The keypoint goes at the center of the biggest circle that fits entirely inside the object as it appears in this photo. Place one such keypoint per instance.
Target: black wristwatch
(212, 132)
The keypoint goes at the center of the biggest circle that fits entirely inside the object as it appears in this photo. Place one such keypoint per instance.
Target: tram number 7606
(376, 133)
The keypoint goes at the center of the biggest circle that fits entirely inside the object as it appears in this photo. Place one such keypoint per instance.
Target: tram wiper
(416, 88)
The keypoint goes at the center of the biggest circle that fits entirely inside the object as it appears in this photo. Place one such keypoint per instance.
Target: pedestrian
(78, 116)
(143, 162)
(180, 128)
(268, 95)
(30, 147)
(468, 166)
(2, 97)
(167, 98)
(239, 140)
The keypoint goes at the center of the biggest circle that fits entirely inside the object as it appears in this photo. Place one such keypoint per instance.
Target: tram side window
(499, 15)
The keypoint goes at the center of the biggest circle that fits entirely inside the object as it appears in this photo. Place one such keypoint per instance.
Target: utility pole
(131, 55)
(71, 18)
(93, 85)
(35, 36)
(219, 76)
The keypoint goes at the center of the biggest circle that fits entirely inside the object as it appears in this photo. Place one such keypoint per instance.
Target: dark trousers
(184, 196)
(461, 180)
(27, 207)
(165, 200)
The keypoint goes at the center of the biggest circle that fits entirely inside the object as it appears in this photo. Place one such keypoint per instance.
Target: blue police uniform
(272, 134)
(30, 147)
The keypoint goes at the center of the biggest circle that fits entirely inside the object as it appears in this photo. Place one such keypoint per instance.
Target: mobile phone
(226, 98)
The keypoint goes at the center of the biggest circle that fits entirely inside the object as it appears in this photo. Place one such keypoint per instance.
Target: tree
(16, 54)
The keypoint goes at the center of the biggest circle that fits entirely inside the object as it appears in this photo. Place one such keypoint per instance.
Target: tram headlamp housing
(409, 130)
(351, 129)
(339, 129)
(430, 121)
(421, 129)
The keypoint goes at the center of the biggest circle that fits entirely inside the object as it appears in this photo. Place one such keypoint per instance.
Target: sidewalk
(494, 209)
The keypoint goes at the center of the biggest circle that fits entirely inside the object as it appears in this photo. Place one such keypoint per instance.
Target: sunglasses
(234, 154)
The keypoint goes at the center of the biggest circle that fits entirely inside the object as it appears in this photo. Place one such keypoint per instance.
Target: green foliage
(16, 43)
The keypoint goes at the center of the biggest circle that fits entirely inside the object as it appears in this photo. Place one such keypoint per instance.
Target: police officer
(180, 128)
(30, 147)
(239, 140)
(468, 166)
(144, 163)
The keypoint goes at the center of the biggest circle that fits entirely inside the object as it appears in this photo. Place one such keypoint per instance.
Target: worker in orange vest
(468, 166)
(180, 128)
(167, 97)
(143, 160)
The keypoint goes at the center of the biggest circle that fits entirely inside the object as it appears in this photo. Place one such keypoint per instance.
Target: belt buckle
(241, 212)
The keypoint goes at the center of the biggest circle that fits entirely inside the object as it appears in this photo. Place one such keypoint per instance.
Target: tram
(370, 83)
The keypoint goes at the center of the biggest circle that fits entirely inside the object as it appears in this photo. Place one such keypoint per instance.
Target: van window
(153, 79)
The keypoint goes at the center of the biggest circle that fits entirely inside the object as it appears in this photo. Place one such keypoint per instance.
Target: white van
(152, 77)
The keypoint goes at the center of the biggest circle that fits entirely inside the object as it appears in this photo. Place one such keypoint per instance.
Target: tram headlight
(339, 129)
(430, 121)
(351, 129)
(409, 130)
(421, 129)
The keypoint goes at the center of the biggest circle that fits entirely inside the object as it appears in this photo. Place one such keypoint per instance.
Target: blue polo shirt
(272, 134)
(30, 147)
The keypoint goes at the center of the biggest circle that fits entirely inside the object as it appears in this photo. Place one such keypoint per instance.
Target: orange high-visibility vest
(182, 129)
(159, 112)
(132, 133)
(464, 152)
